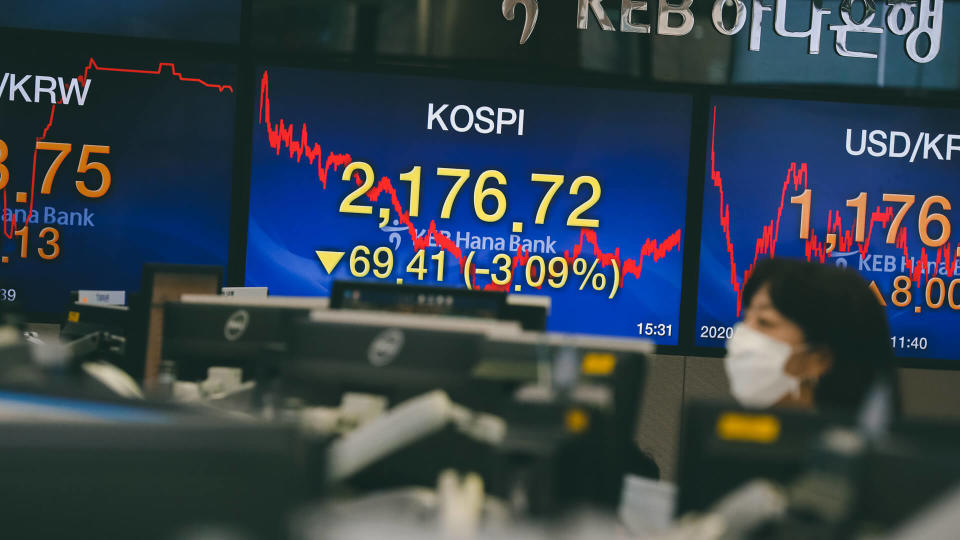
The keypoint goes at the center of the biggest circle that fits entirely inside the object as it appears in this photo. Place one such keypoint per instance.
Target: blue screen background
(756, 142)
(206, 20)
(635, 143)
(171, 162)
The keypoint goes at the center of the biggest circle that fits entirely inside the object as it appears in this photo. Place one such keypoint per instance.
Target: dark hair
(837, 310)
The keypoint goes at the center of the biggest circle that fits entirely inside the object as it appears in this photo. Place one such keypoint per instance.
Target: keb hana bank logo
(919, 21)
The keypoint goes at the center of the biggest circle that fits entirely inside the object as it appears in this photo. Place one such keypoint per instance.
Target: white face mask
(755, 366)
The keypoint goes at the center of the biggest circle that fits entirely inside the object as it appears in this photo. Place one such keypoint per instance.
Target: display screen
(108, 162)
(867, 187)
(575, 193)
(192, 20)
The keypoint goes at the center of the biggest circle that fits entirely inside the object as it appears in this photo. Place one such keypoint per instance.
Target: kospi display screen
(867, 187)
(575, 193)
(108, 162)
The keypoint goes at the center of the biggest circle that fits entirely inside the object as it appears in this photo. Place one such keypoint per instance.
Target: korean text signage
(921, 21)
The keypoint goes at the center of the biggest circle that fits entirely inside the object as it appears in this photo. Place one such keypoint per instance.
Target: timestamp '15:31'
(654, 329)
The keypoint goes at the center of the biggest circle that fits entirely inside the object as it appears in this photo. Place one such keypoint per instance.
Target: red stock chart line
(815, 248)
(91, 66)
(281, 137)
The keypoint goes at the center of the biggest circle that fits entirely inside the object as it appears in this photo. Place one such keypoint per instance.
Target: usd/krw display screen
(574, 193)
(108, 162)
(868, 187)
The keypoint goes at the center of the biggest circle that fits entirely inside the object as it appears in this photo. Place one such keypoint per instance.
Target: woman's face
(763, 317)
(806, 363)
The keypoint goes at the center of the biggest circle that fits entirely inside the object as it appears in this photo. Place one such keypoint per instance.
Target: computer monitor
(607, 373)
(164, 283)
(598, 381)
(98, 332)
(723, 447)
(904, 473)
(417, 299)
(399, 355)
(529, 310)
(909, 469)
(82, 319)
(569, 402)
(402, 355)
(151, 480)
(204, 331)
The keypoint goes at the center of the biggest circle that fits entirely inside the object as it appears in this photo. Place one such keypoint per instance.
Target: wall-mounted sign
(921, 21)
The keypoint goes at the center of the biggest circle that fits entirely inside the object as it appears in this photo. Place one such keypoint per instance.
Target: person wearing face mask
(812, 337)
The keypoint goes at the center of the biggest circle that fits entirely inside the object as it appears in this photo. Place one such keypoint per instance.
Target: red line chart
(93, 66)
(280, 136)
(815, 249)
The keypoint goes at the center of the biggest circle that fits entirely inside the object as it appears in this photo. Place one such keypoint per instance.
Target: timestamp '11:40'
(917, 343)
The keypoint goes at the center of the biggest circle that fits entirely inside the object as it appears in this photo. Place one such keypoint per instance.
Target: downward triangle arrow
(330, 259)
